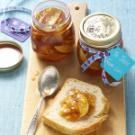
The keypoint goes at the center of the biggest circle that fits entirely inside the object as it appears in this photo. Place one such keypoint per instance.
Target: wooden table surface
(12, 84)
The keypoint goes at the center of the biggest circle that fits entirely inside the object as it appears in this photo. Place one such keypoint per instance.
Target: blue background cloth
(12, 84)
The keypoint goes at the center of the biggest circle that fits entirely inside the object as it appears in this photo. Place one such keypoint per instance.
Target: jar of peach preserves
(53, 35)
(98, 33)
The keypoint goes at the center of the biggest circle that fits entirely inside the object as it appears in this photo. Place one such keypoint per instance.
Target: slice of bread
(83, 126)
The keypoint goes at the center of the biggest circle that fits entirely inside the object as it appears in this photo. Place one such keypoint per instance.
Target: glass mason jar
(98, 33)
(53, 35)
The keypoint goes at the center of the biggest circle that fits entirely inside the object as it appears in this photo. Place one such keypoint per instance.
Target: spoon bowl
(48, 81)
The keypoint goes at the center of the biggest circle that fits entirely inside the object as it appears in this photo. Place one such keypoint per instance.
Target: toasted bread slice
(83, 126)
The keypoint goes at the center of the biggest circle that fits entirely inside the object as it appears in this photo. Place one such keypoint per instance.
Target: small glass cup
(53, 35)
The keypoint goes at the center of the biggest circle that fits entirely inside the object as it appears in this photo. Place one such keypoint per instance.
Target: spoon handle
(33, 123)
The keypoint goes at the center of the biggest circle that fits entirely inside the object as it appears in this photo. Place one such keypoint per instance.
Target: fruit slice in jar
(51, 17)
(63, 48)
(84, 56)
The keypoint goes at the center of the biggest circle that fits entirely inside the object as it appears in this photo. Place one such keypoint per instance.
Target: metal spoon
(47, 85)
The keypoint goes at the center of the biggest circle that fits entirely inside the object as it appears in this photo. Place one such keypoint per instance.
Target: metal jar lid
(100, 30)
(11, 55)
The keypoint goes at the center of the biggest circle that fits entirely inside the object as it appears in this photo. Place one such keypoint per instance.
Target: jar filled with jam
(98, 33)
(53, 35)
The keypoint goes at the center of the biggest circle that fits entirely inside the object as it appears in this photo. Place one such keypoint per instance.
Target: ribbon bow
(97, 55)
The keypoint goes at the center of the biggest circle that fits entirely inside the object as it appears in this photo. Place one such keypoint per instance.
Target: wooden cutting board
(69, 67)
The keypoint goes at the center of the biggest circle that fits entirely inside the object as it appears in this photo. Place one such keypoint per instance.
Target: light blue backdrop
(12, 84)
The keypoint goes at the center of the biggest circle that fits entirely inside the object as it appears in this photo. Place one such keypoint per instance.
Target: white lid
(11, 55)
(100, 30)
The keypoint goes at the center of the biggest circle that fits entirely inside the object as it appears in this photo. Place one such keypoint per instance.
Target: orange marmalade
(53, 34)
(77, 105)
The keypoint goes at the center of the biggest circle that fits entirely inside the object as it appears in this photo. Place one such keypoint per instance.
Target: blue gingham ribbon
(20, 9)
(97, 55)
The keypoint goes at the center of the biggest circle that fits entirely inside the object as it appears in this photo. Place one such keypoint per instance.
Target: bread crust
(80, 131)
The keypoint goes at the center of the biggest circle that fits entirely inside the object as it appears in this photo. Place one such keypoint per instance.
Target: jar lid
(100, 30)
(11, 55)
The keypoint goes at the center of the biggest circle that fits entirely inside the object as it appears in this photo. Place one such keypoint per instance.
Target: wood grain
(69, 67)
